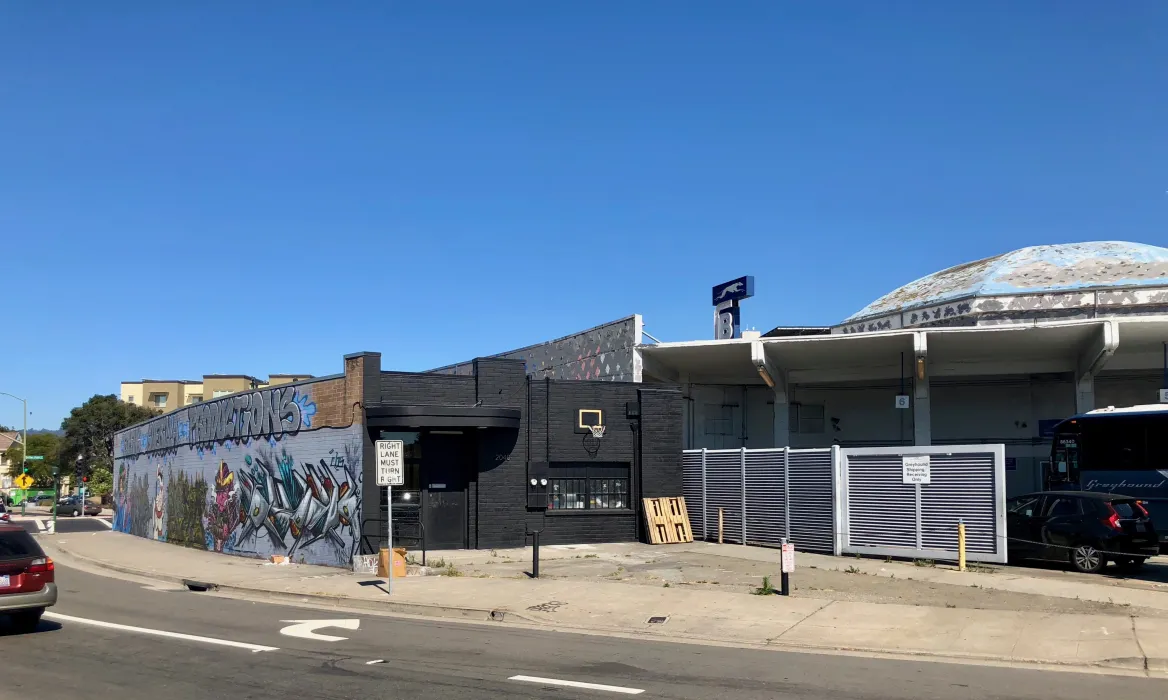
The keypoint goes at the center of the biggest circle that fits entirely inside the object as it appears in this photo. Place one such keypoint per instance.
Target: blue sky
(210, 188)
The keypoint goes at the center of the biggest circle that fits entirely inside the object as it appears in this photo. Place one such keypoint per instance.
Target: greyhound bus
(1115, 450)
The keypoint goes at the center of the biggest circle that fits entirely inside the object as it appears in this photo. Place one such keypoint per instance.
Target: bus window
(1065, 458)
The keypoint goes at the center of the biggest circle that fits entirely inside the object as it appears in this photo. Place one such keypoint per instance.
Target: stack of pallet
(668, 520)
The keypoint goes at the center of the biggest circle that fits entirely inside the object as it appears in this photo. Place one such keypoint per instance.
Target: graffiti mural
(261, 491)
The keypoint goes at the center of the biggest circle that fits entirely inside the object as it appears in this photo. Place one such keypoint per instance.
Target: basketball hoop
(597, 431)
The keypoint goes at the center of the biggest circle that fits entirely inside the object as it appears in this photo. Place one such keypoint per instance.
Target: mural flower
(307, 409)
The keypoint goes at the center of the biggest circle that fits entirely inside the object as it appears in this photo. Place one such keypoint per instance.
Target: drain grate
(497, 615)
(658, 619)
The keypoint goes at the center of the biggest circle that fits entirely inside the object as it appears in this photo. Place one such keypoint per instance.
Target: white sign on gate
(390, 464)
(916, 469)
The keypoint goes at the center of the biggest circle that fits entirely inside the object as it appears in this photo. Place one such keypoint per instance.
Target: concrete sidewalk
(1115, 642)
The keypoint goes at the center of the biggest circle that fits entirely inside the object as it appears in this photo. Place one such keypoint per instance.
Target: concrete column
(922, 416)
(1093, 356)
(776, 379)
(1085, 393)
(782, 419)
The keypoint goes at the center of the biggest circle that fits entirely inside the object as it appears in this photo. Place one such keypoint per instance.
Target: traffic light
(25, 470)
(85, 479)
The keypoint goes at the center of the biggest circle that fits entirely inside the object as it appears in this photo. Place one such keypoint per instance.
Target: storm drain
(198, 586)
(658, 619)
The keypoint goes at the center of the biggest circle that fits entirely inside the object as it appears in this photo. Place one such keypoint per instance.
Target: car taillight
(1142, 509)
(1112, 520)
(42, 565)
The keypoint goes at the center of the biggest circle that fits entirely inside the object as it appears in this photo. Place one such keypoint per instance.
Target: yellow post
(961, 545)
(719, 526)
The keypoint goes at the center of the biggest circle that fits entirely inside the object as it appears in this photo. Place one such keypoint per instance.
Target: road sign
(390, 464)
(916, 469)
(788, 560)
(34, 458)
(23, 481)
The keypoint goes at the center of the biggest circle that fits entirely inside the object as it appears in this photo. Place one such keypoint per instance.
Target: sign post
(390, 473)
(788, 567)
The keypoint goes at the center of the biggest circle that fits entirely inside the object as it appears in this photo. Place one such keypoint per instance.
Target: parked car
(43, 499)
(26, 578)
(1087, 529)
(72, 505)
(4, 514)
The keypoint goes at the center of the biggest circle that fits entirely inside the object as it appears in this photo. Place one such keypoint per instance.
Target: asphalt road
(66, 658)
(65, 524)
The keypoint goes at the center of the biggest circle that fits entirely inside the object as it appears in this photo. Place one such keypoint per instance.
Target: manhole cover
(658, 620)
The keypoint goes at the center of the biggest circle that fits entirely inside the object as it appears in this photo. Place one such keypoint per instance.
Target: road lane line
(577, 684)
(105, 522)
(40, 523)
(159, 633)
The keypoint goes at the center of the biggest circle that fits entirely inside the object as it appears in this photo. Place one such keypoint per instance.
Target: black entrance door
(446, 466)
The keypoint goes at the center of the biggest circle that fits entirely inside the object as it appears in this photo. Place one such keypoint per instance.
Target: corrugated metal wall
(851, 500)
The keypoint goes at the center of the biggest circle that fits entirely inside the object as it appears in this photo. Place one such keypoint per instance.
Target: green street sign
(34, 457)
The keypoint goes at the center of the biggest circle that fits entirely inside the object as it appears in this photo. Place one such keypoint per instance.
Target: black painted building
(476, 442)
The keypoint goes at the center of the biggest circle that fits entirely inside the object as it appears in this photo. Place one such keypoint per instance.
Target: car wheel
(27, 620)
(76, 513)
(1086, 559)
(1130, 565)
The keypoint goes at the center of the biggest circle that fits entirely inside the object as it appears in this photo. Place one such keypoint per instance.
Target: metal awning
(442, 417)
(981, 350)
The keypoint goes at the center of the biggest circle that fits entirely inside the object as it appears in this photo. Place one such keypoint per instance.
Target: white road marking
(105, 522)
(40, 523)
(375, 661)
(305, 629)
(159, 633)
(577, 684)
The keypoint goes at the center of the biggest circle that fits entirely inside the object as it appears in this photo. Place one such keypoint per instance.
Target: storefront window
(588, 486)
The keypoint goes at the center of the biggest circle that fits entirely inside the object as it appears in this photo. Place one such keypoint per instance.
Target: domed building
(992, 351)
(1063, 282)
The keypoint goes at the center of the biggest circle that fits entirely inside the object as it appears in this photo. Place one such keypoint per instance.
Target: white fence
(893, 501)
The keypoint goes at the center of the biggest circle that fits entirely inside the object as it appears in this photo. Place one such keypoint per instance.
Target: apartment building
(169, 394)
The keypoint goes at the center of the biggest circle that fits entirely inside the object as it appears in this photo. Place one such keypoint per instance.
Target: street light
(23, 446)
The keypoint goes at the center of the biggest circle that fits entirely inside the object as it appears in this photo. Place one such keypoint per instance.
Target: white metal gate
(884, 515)
(853, 500)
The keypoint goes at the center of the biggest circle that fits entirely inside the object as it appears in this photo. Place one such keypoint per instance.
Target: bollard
(961, 545)
(719, 526)
(534, 552)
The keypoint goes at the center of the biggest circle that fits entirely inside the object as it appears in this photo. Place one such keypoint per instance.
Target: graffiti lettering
(268, 413)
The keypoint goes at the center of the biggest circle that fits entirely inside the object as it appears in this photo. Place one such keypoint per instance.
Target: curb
(337, 601)
(1141, 666)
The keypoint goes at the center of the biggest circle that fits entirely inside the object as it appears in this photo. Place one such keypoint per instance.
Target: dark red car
(27, 586)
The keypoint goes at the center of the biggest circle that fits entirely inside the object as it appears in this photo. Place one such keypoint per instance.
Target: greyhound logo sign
(727, 317)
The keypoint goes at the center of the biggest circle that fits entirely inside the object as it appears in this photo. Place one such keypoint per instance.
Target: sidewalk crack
(784, 632)
(1139, 645)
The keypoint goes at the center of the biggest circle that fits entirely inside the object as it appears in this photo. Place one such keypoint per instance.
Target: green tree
(46, 445)
(89, 433)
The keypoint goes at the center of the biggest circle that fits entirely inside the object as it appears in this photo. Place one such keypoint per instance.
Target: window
(219, 392)
(588, 486)
(130, 398)
(1024, 506)
(805, 418)
(159, 400)
(195, 398)
(1063, 506)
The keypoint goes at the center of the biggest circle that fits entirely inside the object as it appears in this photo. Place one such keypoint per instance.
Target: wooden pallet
(668, 520)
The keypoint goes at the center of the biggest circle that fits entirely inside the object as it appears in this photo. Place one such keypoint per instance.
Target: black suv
(1087, 529)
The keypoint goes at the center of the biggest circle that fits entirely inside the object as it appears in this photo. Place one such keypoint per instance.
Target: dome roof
(1044, 268)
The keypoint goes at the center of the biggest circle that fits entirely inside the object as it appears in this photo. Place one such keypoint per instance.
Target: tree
(89, 433)
(46, 445)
